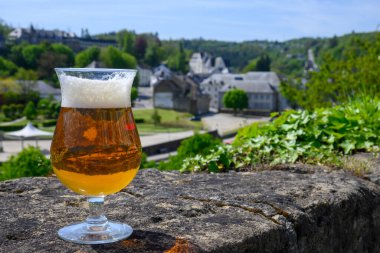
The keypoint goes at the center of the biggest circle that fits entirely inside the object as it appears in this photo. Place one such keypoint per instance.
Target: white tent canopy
(28, 131)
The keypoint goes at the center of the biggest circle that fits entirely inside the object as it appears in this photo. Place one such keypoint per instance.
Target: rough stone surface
(290, 210)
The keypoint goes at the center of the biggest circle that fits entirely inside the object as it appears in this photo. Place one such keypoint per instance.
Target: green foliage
(152, 55)
(7, 68)
(85, 57)
(356, 71)
(260, 64)
(145, 164)
(198, 144)
(111, 57)
(29, 162)
(236, 99)
(179, 59)
(134, 93)
(48, 108)
(32, 54)
(322, 136)
(156, 117)
(30, 111)
(126, 41)
(13, 111)
(26, 74)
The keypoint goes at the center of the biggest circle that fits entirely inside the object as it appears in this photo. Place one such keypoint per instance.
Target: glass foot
(82, 233)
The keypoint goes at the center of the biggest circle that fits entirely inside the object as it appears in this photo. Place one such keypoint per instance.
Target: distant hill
(288, 58)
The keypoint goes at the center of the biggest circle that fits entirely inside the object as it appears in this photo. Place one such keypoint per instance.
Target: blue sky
(211, 19)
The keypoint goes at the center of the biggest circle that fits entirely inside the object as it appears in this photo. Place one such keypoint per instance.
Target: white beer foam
(86, 93)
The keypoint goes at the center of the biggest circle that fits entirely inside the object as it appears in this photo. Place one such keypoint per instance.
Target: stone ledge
(292, 210)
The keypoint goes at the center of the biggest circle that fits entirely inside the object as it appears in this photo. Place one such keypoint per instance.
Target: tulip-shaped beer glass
(96, 149)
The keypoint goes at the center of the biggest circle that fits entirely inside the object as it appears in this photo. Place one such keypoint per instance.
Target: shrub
(156, 117)
(29, 162)
(323, 136)
(197, 144)
(145, 164)
(30, 111)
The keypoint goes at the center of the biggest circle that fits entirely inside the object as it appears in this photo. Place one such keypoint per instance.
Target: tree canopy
(338, 80)
(236, 99)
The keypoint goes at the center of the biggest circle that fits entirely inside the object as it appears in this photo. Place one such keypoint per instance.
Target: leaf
(213, 167)
(347, 146)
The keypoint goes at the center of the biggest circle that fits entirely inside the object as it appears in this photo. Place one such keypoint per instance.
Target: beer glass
(96, 150)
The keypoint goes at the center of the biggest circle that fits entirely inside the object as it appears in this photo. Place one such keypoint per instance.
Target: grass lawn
(168, 118)
(171, 121)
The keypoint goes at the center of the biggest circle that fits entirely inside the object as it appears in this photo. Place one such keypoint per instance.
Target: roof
(185, 85)
(41, 87)
(249, 86)
(270, 77)
(28, 131)
(45, 88)
(255, 82)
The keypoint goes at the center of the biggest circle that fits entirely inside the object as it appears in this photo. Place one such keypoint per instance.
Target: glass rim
(104, 70)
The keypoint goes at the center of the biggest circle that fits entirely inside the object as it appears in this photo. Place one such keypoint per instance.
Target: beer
(96, 151)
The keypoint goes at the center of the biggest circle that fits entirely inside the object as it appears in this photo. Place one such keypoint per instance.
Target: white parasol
(27, 132)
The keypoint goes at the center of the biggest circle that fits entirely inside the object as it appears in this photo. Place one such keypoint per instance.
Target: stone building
(180, 93)
(262, 89)
(35, 36)
(145, 75)
(203, 64)
(161, 72)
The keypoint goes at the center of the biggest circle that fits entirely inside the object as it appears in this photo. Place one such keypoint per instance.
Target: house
(202, 64)
(145, 75)
(180, 93)
(45, 90)
(36, 36)
(262, 89)
(161, 72)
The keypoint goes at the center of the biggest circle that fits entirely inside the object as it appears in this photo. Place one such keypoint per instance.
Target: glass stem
(96, 221)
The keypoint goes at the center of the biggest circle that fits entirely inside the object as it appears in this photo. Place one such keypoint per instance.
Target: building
(180, 93)
(35, 36)
(161, 72)
(262, 89)
(145, 75)
(202, 64)
(45, 90)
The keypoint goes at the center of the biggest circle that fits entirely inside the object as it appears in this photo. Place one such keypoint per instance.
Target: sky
(229, 20)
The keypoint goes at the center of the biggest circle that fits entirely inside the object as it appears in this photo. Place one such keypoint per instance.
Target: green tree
(29, 162)
(201, 144)
(156, 117)
(7, 68)
(338, 80)
(126, 41)
(53, 56)
(181, 59)
(85, 57)
(32, 54)
(30, 111)
(236, 99)
(152, 55)
(26, 74)
(111, 57)
(140, 47)
(66, 51)
(134, 93)
(262, 63)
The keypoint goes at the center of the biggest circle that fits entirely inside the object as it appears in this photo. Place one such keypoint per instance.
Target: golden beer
(96, 151)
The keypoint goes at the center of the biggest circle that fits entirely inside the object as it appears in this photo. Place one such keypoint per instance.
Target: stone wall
(290, 210)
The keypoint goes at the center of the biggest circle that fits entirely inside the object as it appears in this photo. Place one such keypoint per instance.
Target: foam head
(96, 88)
